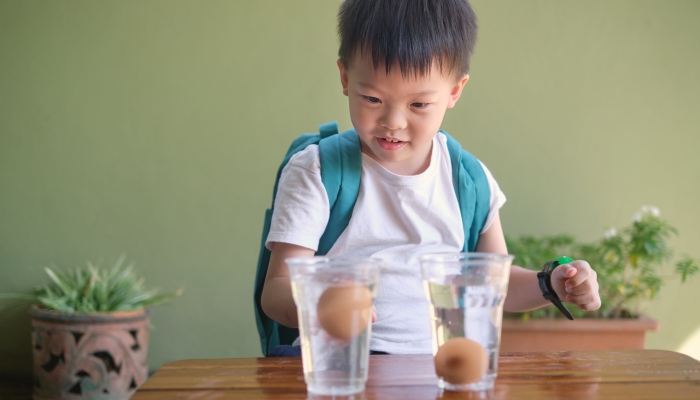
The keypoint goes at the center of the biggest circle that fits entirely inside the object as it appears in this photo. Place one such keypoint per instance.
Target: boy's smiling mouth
(390, 144)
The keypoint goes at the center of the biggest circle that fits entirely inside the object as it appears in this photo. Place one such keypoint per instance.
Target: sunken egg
(460, 361)
(344, 311)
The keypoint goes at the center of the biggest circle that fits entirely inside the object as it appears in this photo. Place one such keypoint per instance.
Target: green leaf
(18, 296)
(16, 299)
(56, 304)
(11, 304)
(155, 300)
(58, 281)
(687, 267)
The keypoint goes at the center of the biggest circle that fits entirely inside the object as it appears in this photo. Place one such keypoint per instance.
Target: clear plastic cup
(466, 292)
(335, 362)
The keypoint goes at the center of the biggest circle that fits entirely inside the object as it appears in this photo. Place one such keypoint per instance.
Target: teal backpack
(341, 167)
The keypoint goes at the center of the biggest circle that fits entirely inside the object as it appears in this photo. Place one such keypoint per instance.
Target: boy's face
(396, 117)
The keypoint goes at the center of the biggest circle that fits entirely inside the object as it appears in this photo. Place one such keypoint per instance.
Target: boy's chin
(376, 151)
(394, 159)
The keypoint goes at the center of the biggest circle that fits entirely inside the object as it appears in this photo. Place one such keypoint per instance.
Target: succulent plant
(93, 289)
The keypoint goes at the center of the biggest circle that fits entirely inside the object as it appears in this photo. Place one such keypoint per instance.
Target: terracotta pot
(580, 334)
(89, 356)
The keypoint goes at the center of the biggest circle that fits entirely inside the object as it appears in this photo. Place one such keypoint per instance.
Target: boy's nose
(393, 120)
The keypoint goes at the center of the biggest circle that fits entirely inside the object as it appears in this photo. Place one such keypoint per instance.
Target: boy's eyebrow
(369, 86)
(424, 93)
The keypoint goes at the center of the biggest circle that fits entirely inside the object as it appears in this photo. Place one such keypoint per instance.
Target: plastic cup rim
(334, 263)
(464, 257)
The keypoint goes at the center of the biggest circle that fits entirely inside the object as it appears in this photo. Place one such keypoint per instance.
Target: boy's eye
(419, 105)
(372, 99)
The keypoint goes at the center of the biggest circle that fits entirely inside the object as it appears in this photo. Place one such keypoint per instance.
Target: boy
(402, 64)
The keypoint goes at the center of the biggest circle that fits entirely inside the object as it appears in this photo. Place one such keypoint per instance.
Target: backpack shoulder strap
(328, 129)
(341, 167)
(472, 190)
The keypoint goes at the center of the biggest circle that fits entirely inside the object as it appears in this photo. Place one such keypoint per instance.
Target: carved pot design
(89, 356)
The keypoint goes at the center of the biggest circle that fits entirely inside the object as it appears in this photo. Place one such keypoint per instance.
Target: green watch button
(565, 260)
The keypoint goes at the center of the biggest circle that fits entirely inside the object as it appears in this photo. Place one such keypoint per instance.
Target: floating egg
(344, 311)
(460, 361)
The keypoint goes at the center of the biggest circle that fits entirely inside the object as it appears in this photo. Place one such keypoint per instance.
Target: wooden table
(627, 374)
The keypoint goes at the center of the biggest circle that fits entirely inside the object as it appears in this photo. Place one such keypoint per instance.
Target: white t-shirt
(396, 218)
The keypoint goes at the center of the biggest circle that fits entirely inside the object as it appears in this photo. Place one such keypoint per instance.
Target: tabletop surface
(625, 374)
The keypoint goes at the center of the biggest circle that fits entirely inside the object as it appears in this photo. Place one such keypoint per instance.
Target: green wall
(154, 128)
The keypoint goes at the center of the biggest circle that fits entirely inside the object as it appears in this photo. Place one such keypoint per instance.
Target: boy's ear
(343, 77)
(457, 90)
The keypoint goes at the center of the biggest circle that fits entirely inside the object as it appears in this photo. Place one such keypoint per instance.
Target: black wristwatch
(545, 280)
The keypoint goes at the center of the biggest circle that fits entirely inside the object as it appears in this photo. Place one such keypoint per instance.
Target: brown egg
(344, 311)
(460, 361)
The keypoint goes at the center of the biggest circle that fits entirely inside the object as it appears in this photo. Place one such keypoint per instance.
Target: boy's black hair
(410, 32)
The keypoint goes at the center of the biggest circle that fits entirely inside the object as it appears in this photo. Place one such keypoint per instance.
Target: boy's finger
(564, 272)
(583, 272)
(581, 299)
(591, 285)
(590, 306)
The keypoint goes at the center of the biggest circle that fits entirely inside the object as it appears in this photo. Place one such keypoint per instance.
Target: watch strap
(545, 281)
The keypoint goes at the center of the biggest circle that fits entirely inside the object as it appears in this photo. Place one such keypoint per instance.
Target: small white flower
(638, 217)
(651, 209)
(610, 233)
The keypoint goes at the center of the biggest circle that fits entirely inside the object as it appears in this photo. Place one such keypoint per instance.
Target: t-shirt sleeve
(497, 198)
(301, 209)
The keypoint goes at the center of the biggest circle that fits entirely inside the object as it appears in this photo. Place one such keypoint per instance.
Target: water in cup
(466, 292)
(334, 305)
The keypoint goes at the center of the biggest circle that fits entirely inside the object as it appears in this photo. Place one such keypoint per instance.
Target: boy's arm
(575, 283)
(277, 299)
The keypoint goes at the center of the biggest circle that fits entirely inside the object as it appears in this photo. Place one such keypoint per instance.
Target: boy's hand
(577, 284)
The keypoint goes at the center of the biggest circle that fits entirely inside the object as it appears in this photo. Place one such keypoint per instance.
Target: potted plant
(90, 332)
(629, 265)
